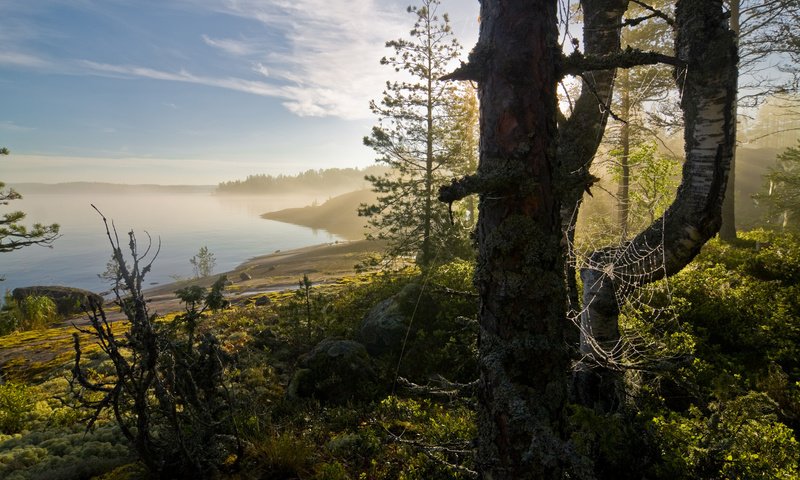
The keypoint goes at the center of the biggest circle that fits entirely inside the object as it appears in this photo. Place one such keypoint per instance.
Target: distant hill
(331, 181)
(338, 215)
(105, 188)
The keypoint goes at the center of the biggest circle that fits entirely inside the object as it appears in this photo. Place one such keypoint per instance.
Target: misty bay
(183, 219)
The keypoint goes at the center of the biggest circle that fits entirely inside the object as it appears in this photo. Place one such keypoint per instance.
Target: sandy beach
(275, 271)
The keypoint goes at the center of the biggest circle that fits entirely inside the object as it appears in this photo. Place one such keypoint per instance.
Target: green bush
(740, 438)
(16, 402)
(33, 312)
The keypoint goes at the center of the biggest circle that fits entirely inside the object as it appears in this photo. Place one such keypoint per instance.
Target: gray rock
(383, 328)
(245, 276)
(335, 371)
(262, 301)
(68, 300)
(386, 326)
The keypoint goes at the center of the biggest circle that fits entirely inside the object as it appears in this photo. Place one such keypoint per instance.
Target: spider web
(651, 337)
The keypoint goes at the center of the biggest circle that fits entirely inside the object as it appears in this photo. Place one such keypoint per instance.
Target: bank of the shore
(276, 271)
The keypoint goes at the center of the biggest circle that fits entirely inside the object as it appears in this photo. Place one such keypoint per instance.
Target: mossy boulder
(335, 371)
(389, 323)
(68, 300)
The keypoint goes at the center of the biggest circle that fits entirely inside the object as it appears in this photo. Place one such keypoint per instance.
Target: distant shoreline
(338, 215)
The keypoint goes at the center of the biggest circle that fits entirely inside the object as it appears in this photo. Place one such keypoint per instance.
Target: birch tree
(705, 44)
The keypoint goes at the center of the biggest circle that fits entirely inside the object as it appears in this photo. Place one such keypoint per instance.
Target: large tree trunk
(708, 86)
(520, 267)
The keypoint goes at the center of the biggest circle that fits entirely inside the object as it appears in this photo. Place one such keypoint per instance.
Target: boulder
(383, 328)
(68, 300)
(335, 371)
(386, 326)
(244, 276)
(262, 301)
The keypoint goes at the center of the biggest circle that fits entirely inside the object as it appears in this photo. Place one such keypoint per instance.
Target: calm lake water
(229, 226)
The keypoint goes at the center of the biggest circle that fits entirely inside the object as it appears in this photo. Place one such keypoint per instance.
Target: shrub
(37, 312)
(33, 312)
(740, 438)
(16, 402)
(167, 390)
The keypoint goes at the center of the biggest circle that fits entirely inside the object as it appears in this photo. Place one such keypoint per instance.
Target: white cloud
(9, 126)
(238, 48)
(230, 83)
(329, 52)
(320, 57)
(261, 68)
(18, 59)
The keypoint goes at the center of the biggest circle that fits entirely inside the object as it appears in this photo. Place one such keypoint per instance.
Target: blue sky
(194, 91)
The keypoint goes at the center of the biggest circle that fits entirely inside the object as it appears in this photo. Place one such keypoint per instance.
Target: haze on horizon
(194, 91)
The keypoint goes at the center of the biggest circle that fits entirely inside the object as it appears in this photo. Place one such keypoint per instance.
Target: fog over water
(229, 225)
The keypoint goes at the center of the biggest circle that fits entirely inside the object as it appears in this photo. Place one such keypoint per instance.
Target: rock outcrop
(68, 300)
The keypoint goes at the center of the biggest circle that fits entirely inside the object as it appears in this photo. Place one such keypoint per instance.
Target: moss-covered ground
(724, 401)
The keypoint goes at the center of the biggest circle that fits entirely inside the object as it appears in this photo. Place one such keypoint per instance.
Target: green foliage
(304, 294)
(739, 438)
(196, 301)
(9, 321)
(733, 411)
(34, 312)
(654, 180)
(16, 401)
(745, 302)
(282, 456)
(203, 263)
(719, 395)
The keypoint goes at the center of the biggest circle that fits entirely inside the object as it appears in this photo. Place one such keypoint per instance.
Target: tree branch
(467, 71)
(577, 63)
(656, 13)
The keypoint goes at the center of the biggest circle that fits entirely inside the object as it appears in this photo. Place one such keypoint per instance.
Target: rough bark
(581, 133)
(708, 86)
(520, 264)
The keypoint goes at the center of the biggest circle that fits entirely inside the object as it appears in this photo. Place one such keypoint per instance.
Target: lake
(229, 226)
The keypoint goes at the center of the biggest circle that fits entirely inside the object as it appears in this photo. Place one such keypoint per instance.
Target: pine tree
(412, 138)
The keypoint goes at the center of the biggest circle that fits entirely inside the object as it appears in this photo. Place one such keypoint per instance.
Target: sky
(194, 91)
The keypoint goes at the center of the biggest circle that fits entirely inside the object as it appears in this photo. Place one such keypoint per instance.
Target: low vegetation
(727, 407)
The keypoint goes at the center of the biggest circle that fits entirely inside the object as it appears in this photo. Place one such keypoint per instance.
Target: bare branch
(577, 63)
